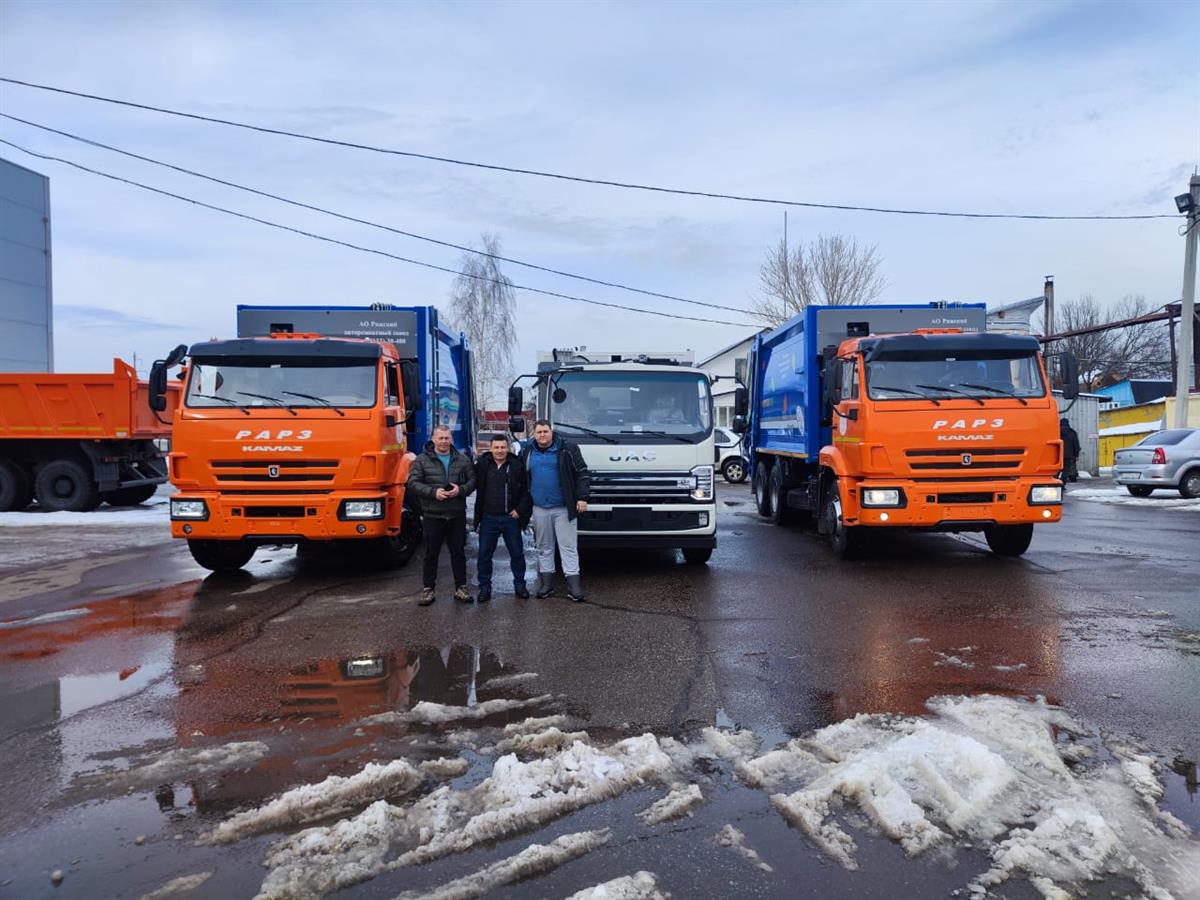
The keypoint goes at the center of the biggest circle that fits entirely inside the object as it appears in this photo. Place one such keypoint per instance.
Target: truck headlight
(189, 509)
(369, 667)
(1045, 493)
(361, 509)
(702, 483)
(882, 497)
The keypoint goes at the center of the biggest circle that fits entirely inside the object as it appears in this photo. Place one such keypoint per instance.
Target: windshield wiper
(904, 390)
(666, 434)
(318, 399)
(601, 435)
(996, 390)
(274, 400)
(952, 390)
(232, 403)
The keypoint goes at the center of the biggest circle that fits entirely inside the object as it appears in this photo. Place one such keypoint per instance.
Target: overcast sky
(1063, 108)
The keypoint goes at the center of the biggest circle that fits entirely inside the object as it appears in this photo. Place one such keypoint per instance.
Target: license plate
(1131, 476)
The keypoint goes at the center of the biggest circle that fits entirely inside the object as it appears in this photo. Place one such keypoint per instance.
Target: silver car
(1165, 459)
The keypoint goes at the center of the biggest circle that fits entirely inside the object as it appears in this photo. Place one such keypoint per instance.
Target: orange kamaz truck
(73, 441)
(290, 436)
(870, 418)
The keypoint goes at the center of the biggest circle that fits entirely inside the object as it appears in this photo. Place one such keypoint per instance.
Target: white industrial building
(26, 310)
(725, 365)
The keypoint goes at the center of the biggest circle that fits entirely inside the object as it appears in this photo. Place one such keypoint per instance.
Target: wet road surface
(120, 671)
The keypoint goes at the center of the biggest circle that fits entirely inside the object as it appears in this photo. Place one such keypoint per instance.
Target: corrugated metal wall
(1084, 416)
(26, 311)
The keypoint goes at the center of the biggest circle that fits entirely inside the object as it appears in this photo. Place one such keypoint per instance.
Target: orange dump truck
(73, 441)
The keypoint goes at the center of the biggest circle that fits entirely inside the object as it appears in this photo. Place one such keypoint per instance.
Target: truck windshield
(979, 376)
(635, 406)
(230, 381)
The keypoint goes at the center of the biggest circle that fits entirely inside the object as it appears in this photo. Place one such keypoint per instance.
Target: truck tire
(759, 483)
(1140, 490)
(846, 541)
(394, 552)
(130, 496)
(733, 470)
(1189, 487)
(221, 556)
(1009, 540)
(16, 487)
(781, 513)
(697, 556)
(64, 484)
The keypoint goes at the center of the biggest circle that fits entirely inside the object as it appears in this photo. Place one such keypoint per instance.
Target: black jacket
(1070, 439)
(517, 488)
(427, 475)
(573, 476)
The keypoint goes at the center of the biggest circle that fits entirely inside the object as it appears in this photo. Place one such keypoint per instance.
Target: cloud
(113, 321)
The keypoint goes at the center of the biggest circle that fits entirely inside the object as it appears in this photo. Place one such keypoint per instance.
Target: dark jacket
(517, 488)
(573, 476)
(428, 474)
(1070, 439)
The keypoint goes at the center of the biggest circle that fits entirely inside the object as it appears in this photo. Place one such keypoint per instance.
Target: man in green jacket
(442, 478)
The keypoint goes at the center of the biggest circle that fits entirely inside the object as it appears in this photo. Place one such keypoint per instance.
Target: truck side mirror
(157, 398)
(516, 424)
(176, 356)
(739, 425)
(516, 402)
(411, 384)
(1070, 376)
(741, 402)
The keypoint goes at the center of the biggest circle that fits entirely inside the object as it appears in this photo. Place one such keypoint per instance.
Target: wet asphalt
(1102, 616)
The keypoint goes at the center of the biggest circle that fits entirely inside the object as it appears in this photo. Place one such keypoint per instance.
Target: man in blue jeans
(501, 511)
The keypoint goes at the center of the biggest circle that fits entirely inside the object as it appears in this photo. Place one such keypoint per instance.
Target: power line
(360, 248)
(349, 218)
(560, 176)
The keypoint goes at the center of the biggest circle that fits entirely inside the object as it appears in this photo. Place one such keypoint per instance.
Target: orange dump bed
(103, 406)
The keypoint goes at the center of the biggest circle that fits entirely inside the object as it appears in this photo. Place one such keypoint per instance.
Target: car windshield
(628, 405)
(1168, 438)
(296, 382)
(943, 377)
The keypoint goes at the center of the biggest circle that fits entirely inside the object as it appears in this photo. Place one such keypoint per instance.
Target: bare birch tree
(484, 306)
(832, 270)
(1106, 357)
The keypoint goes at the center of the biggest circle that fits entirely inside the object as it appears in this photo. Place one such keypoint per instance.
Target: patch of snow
(336, 795)
(681, 801)
(1015, 667)
(156, 516)
(639, 886)
(1085, 475)
(947, 659)
(429, 713)
(1132, 428)
(552, 740)
(178, 886)
(63, 615)
(502, 681)
(445, 767)
(733, 838)
(732, 746)
(791, 762)
(918, 640)
(534, 860)
(184, 764)
(534, 724)
(1167, 498)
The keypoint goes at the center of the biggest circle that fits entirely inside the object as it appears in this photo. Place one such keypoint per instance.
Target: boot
(427, 597)
(545, 585)
(485, 594)
(521, 591)
(575, 589)
(462, 594)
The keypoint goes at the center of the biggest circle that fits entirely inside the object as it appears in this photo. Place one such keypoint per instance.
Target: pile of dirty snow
(1164, 498)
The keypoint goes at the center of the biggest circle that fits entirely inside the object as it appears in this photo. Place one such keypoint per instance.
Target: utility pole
(1048, 293)
(1184, 377)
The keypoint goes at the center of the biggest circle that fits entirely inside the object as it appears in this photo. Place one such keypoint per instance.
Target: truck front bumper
(954, 506)
(668, 525)
(283, 518)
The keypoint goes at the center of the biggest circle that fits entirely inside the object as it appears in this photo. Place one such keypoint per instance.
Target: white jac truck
(644, 424)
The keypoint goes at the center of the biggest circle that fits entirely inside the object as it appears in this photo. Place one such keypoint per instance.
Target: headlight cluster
(1041, 494)
(702, 483)
(361, 509)
(189, 509)
(882, 497)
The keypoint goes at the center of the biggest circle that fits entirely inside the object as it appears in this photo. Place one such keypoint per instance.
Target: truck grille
(986, 459)
(659, 487)
(247, 471)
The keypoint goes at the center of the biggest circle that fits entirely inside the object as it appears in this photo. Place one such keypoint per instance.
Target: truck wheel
(697, 556)
(1140, 490)
(1189, 488)
(1009, 540)
(781, 513)
(734, 470)
(16, 489)
(131, 496)
(845, 540)
(64, 484)
(762, 497)
(221, 556)
(393, 552)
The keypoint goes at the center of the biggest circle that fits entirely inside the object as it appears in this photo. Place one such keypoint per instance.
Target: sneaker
(575, 589)
(545, 585)
(485, 594)
(427, 597)
(462, 594)
(521, 591)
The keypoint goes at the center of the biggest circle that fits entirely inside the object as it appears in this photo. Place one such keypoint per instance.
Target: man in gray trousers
(558, 488)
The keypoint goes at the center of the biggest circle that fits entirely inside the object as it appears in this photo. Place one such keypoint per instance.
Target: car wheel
(734, 470)
(762, 496)
(1139, 490)
(1189, 487)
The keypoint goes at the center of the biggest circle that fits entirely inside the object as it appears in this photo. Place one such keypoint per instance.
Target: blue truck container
(439, 358)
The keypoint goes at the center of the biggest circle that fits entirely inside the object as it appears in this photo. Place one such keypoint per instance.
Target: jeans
(452, 533)
(491, 529)
(550, 527)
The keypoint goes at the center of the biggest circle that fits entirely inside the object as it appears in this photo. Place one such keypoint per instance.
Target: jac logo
(962, 423)
(267, 435)
(648, 456)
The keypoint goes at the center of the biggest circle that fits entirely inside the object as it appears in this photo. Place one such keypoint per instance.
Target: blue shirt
(445, 463)
(544, 486)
